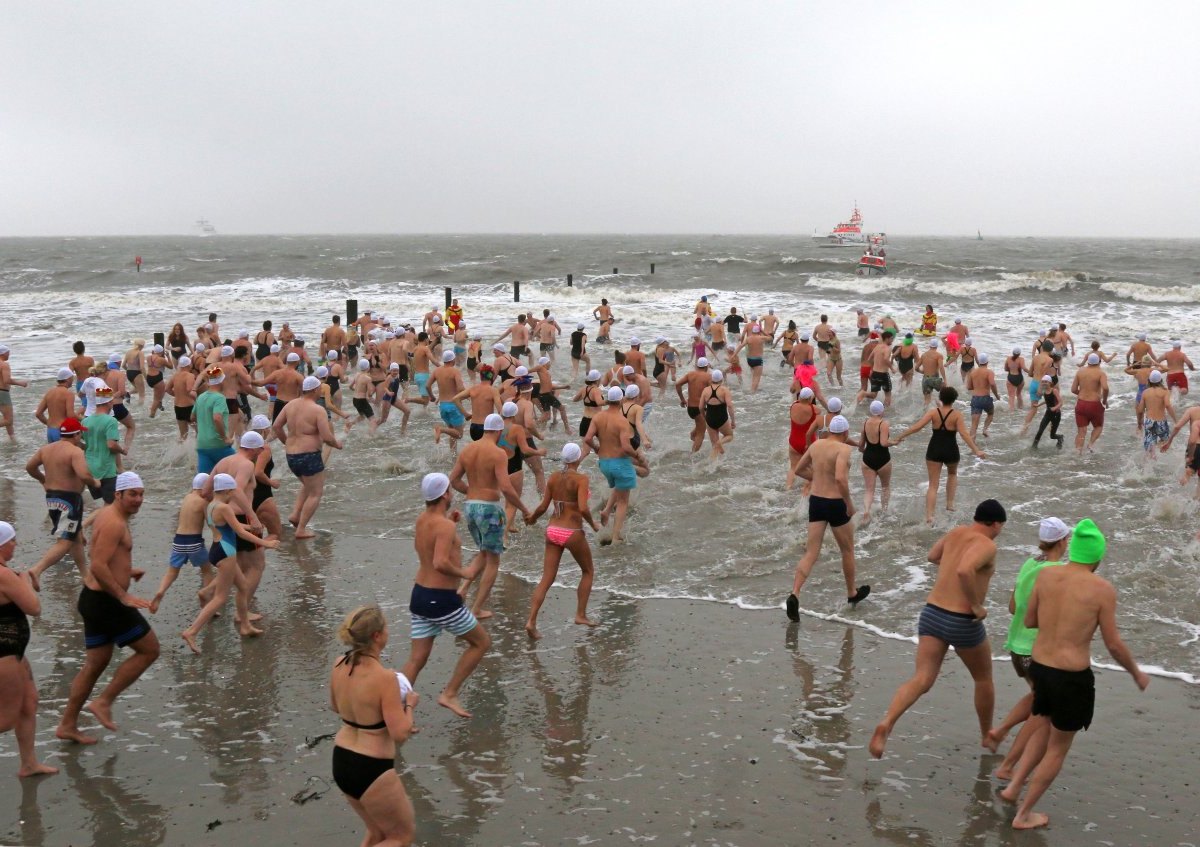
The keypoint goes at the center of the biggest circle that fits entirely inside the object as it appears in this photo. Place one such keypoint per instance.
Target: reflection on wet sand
(567, 743)
(117, 815)
(820, 727)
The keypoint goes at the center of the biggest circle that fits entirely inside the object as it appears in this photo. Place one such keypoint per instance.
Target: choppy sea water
(724, 531)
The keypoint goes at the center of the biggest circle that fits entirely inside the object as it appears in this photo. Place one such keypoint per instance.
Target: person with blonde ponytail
(376, 707)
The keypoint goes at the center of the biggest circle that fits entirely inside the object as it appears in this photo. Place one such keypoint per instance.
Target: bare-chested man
(610, 436)
(826, 463)
(1176, 360)
(183, 394)
(421, 359)
(882, 367)
(822, 333)
(634, 357)
(251, 558)
(287, 381)
(188, 544)
(864, 361)
(62, 469)
(81, 365)
(520, 338)
(932, 369)
(360, 390)
(770, 325)
(334, 337)
(1068, 604)
(696, 381)
(1153, 407)
(436, 605)
(753, 343)
(303, 427)
(446, 385)
(547, 332)
(484, 464)
(484, 397)
(1091, 390)
(604, 314)
(237, 385)
(56, 405)
(6, 384)
(1139, 348)
(110, 614)
(953, 617)
(981, 382)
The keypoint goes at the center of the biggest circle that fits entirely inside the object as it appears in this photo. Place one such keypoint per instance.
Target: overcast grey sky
(1017, 118)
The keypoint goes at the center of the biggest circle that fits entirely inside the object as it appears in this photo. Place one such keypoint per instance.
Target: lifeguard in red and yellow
(454, 314)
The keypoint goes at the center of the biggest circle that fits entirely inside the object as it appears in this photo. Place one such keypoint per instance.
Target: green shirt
(1021, 637)
(208, 404)
(100, 429)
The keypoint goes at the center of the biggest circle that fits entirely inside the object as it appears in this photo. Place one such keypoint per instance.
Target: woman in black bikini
(943, 448)
(876, 459)
(375, 705)
(19, 697)
(717, 404)
(592, 401)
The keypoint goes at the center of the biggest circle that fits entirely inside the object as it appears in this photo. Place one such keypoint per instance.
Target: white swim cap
(717, 376)
(4, 351)
(292, 358)
(1016, 351)
(1041, 333)
(260, 422)
(593, 376)
(129, 480)
(509, 409)
(1156, 377)
(806, 393)
(543, 360)
(876, 407)
(1093, 359)
(635, 341)
(185, 362)
(447, 356)
(662, 339)
(365, 365)
(199, 481)
(65, 374)
(804, 336)
(226, 351)
(1052, 529)
(579, 326)
(627, 370)
(158, 348)
(198, 346)
(834, 405)
(245, 333)
(321, 372)
(252, 441)
(114, 357)
(632, 391)
(499, 348)
(7, 533)
(1141, 336)
(1047, 378)
(967, 341)
(275, 348)
(571, 452)
(493, 423)
(311, 383)
(434, 485)
(982, 358)
(839, 424)
(332, 355)
(933, 344)
(958, 320)
(702, 362)
(615, 394)
(521, 371)
(1176, 344)
(394, 366)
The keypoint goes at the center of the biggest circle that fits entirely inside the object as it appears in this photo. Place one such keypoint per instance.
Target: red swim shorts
(1089, 412)
(1177, 380)
(864, 372)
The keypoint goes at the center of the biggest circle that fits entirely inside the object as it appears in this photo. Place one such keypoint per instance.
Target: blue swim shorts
(451, 416)
(619, 473)
(305, 464)
(438, 610)
(423, 384)
(207, 457)
(187, 549)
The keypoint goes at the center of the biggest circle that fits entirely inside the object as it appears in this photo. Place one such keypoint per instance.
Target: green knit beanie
(1087, 543)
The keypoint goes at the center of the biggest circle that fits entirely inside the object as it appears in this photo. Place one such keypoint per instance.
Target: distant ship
(848, 233)
(204, 228)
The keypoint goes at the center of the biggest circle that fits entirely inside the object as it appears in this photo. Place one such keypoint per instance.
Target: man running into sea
(981, 382)
(1091, 389)
(110, 614)
(953, 617)
(826, 463)
(62, 469)
(303, 427)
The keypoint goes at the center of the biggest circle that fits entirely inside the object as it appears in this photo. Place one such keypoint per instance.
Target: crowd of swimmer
(500, 407)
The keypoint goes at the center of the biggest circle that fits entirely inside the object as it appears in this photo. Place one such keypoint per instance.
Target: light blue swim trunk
(451, 416)
(423, 384)
(619, 473)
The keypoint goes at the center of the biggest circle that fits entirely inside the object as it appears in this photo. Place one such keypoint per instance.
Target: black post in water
(160, 338)
(351, 311)
(448, 298)
(651, 267)
(516, 291)
(570, 280)
(615, 271)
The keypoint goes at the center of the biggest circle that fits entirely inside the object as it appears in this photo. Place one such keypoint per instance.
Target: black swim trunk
(66, 513)
(586, 423)
(693, 412)
(718, 345)
(119, 411)
(306, 464)
(183, 413)
(276, 408)
(231, 405)
(863, 332)
(1068, 698)
(108, 621)
(546, 348)
(107, 489)
(476, 431)
(831, 511)
(549, 401)
(881, 382)
(242, 545)
(519, 350)
(1021, 665)
(363, 407)
(154, 379)
(472, 363)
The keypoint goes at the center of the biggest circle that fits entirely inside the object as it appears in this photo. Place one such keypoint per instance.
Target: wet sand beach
(674, 722)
